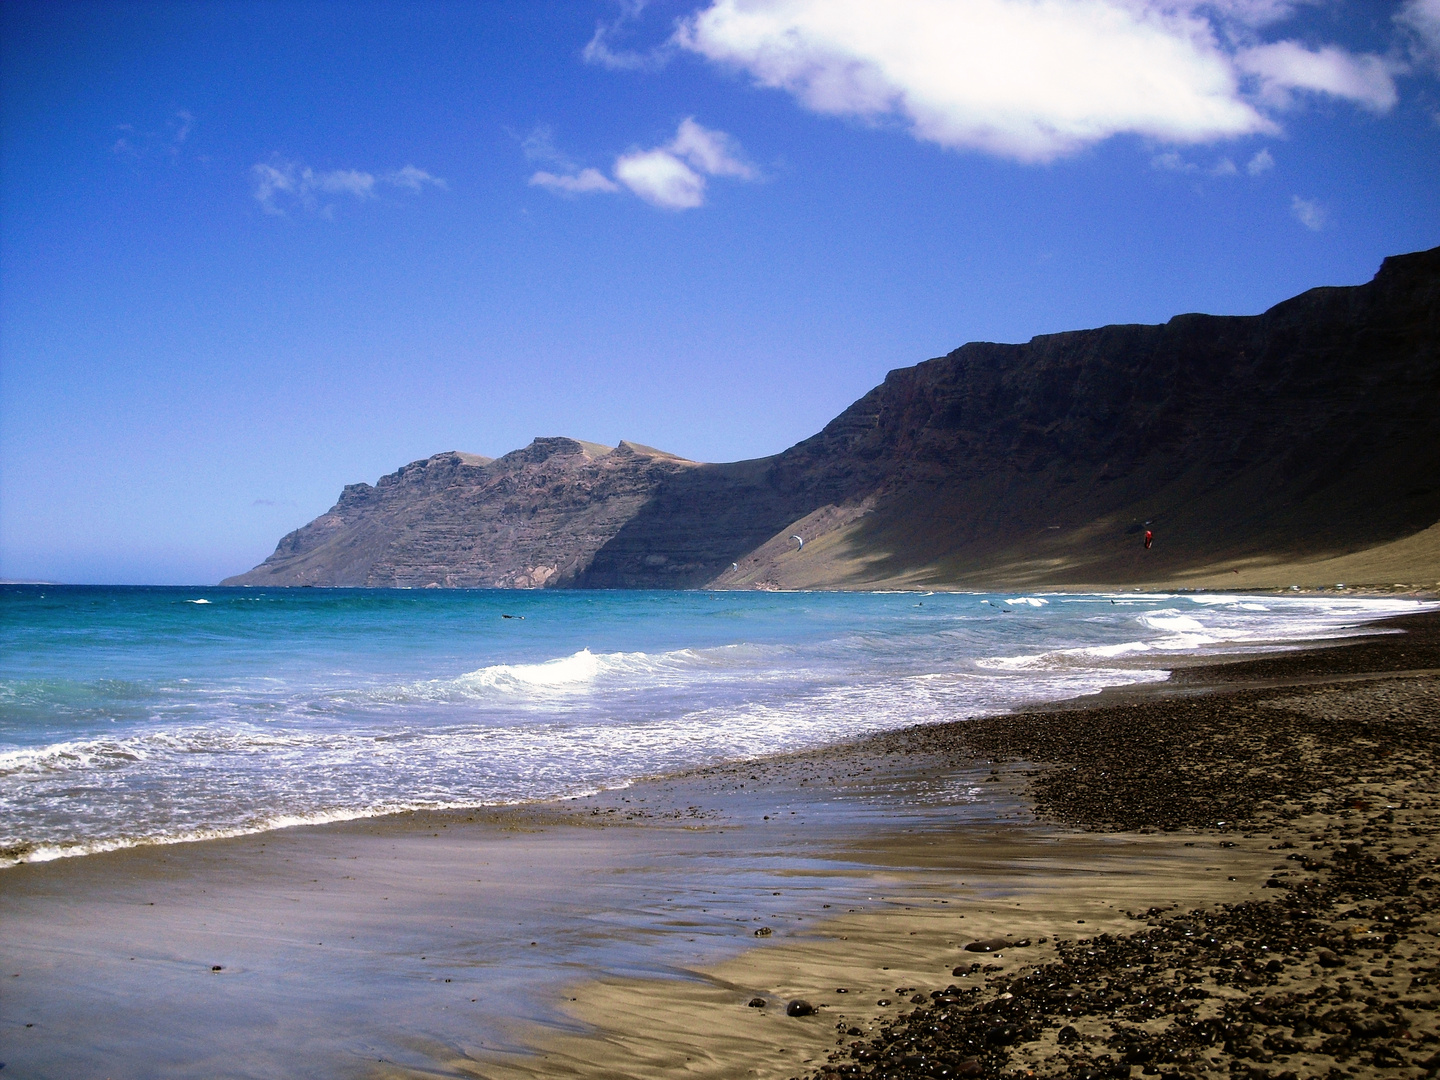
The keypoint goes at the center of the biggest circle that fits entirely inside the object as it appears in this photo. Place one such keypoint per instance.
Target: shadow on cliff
(1309, 431)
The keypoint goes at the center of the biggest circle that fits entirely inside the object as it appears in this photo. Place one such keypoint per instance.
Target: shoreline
(1242, 1006)
(1186, 676)
(891, 853)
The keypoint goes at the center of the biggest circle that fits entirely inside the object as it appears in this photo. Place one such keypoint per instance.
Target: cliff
(1250, 445)
(531, 518)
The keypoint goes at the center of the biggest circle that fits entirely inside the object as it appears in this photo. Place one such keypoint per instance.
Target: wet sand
(1243, 816)
(1252, 894)
(392, 944)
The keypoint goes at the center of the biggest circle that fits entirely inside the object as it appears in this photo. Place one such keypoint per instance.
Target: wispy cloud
(414, 179)
(1034, 80)
(1174, 161)
(282, 185)
(133, 142)
(1262, 162)
(1285, 67)
(180, 126)
(539, 145)
(585, 182)
(600, 50)
(1421, 20)
(1250, 13)
(1309, 212)
(672, 176)
(712, 152)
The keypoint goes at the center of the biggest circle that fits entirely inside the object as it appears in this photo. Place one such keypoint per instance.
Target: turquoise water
(143, 715)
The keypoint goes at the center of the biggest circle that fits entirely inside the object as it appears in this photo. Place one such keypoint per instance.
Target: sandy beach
(1229, 873)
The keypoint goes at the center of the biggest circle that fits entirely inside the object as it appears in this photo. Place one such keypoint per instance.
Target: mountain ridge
(1308, 432)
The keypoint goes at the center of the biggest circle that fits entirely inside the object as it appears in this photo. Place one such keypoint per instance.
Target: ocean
(158, 715)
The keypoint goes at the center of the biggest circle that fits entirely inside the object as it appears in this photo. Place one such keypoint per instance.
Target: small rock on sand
(994, 944)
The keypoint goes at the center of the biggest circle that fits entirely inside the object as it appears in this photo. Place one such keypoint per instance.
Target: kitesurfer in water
(1149, 539)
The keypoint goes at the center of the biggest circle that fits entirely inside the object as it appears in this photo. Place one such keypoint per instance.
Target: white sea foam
(583, 667)
(179, 747)
(81, 755)
(551, 682)
(1232, 622)
(70, 849)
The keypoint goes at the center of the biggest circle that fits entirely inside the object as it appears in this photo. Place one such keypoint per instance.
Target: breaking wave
(118, 728)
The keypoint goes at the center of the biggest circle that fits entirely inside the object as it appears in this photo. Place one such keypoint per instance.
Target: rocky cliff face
(534, 517)
(1311, 430)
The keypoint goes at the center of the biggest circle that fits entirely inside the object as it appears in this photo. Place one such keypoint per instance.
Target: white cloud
(1285, 66)
(281, 184)
(136, 143)
(1024, 79)
(1422, 19)
(1250, 13)
(1173, 161)
(661, 179)
(670, 176)
(584, 183)
(359, 184)
(1308, 212)
(414, 179)
(598, 50)
(1034, 80)
(1262, 162)
(271, 182)
(539, 145)
(711, 152)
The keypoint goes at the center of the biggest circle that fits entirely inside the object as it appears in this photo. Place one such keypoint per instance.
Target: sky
(252, 252)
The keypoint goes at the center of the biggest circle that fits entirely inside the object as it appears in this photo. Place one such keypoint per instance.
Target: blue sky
(252, 252)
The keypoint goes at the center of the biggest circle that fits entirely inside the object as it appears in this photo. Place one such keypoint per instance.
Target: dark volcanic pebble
(799, 1007)
(987, 945)
(757, 1003)
(1334, 974)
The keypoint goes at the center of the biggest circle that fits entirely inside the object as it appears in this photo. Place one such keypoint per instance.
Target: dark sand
(1277, 815)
